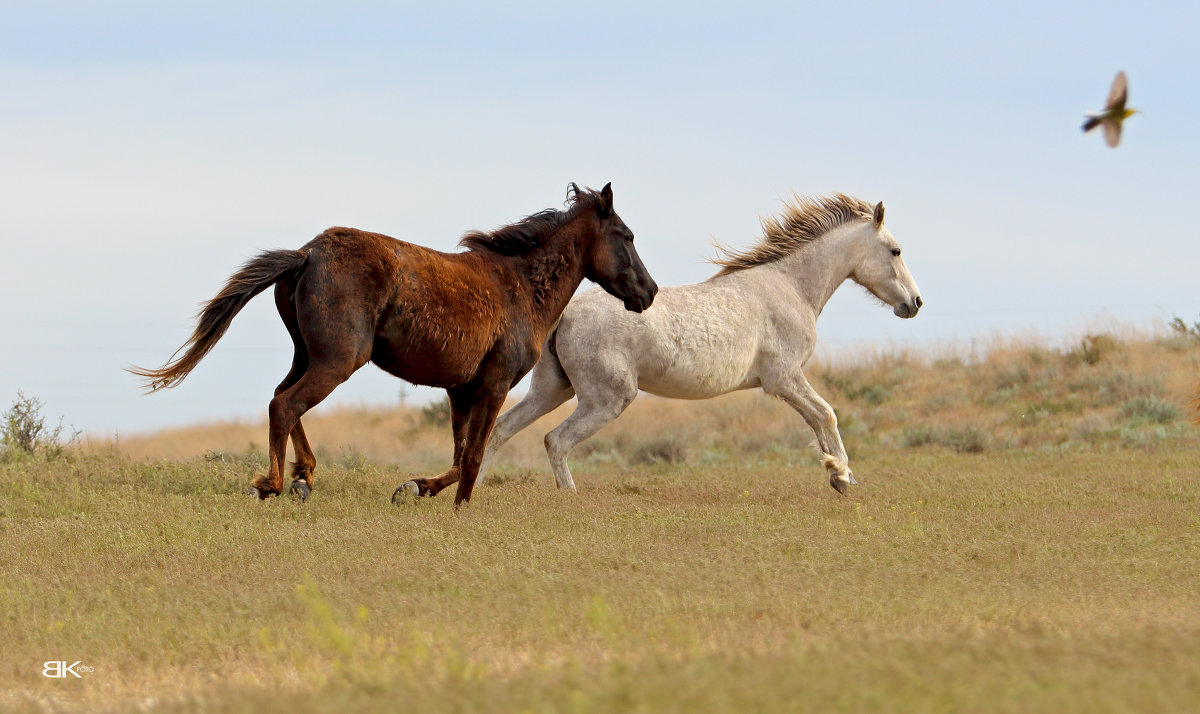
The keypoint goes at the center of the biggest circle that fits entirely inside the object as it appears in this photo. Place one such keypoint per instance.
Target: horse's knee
(553, 445)
(279, 413)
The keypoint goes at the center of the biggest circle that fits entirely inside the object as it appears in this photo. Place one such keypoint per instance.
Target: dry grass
(717, 572)
(1102, 392)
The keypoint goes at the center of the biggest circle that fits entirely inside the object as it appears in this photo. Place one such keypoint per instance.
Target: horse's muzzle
(908, 309)
(637, 304)
(641, 299)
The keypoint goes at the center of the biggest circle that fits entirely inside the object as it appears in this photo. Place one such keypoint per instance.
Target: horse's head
(613, 262)
(882, 271)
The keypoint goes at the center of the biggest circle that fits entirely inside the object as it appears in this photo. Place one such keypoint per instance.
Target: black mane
(531, 231)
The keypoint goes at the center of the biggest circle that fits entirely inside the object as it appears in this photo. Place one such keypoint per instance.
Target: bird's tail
(1091, 123)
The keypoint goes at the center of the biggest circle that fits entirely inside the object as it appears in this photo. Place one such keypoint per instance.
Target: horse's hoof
(262, 493)
(408, 491)
(839, 486)
(300, 488)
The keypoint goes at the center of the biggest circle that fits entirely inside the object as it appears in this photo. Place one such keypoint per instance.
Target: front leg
(417, 487)
(485, 406)
(473, 411)
(799, 395)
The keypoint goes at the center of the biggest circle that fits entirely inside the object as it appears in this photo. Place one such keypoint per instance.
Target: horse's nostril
(919, 302)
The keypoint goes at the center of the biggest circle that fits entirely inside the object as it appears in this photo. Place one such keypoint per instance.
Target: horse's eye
(895, 251)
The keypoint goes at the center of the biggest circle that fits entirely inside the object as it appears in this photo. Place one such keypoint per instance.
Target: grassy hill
(1024, 539)
(1102, 393)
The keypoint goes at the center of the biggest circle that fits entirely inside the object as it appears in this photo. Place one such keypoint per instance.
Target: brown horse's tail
(256, 275)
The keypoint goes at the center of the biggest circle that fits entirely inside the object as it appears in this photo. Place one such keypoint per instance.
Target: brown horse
(473, 322)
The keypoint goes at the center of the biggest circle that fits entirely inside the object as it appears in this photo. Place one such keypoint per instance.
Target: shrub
(1149, 410)
(23, 429)
(666, 449)
(1011, 377)
(1179, 327)
(437, 413)
(1094, 348)
(847, 384)
(967, 441)
(915, 436)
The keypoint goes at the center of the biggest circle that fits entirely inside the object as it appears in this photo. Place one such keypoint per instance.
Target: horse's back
(432, 316)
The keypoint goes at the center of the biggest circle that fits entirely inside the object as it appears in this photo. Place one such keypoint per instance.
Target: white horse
(753, 324)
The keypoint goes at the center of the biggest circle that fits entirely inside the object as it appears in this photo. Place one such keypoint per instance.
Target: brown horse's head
(613, 262)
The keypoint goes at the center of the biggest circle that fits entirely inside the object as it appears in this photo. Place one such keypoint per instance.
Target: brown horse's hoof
(409, 491)
(300, 488)
(262, 493)
(261, 487)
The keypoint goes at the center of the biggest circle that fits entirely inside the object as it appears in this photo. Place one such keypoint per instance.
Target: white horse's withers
(753, 324)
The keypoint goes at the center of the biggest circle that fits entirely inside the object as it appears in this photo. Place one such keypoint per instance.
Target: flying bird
(1114, 112)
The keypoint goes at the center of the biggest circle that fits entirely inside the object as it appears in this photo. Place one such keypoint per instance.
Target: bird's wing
(1117, 93)
(1112, 132)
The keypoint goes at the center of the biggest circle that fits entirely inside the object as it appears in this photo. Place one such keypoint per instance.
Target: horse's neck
(553, 271)
(817, 270)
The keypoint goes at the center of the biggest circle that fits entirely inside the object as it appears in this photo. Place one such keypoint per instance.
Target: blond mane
(803, 220)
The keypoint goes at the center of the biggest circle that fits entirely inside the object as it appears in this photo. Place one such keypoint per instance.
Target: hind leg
(600, 403)
(306, 462)
(330, 346)
(549, 387)
(285, 412)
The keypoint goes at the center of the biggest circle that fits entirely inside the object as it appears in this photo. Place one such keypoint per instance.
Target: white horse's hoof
(840, 485)
(408, 491)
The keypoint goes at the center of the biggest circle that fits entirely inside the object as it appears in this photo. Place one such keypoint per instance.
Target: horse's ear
(606, 199)
(879, 214)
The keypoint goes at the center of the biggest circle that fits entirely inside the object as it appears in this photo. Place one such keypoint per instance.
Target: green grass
(1007, 581)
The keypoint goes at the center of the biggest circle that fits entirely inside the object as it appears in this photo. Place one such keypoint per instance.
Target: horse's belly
(425, 372)
(437, 359)
(685, 380)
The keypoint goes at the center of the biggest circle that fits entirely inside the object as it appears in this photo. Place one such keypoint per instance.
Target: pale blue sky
(149, 148)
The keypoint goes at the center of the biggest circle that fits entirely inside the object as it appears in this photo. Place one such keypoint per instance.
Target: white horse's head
(881, 269)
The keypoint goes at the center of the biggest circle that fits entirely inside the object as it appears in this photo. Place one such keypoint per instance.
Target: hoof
(408, 491)
(839, 486)
(262, 493)
(300, 488)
